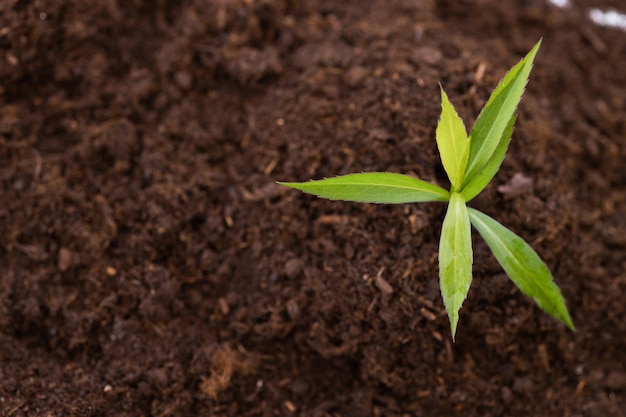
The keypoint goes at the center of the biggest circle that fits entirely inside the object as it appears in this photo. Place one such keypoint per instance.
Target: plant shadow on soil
(151, 266)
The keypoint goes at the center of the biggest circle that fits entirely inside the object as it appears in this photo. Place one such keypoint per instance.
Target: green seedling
(470, 163)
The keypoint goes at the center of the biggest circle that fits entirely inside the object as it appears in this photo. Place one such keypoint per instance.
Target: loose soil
(151, 267)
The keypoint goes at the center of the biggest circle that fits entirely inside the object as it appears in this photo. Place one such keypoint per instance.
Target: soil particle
(427, 55)
(616, 380)
(293, 267)
(65, 259)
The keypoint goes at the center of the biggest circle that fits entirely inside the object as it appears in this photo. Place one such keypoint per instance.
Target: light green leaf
(496, 115)
(522, 265)
(484, 176)
(452, 141)
(455, 258)
(373, 187)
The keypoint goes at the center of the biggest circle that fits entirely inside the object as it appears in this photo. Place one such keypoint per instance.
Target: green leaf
(522, 265)
(455, 258)
(452, 141)
(496, 115)
(484, 176)
(373, 187)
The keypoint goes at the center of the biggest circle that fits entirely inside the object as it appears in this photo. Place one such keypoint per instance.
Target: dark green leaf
(484, 176)
(496, 115)
(522, 265)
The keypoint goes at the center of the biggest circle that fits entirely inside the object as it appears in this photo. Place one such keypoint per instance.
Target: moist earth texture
(150, 265)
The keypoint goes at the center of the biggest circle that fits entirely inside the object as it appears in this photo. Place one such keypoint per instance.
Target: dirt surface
(151, 267)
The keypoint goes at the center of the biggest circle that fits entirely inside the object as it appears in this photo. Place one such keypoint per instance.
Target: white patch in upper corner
(608, 18)
(560, 3)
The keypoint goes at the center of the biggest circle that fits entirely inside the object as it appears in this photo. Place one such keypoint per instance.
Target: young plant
(470, 163)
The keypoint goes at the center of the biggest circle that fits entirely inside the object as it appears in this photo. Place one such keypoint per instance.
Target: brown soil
(151, 267)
